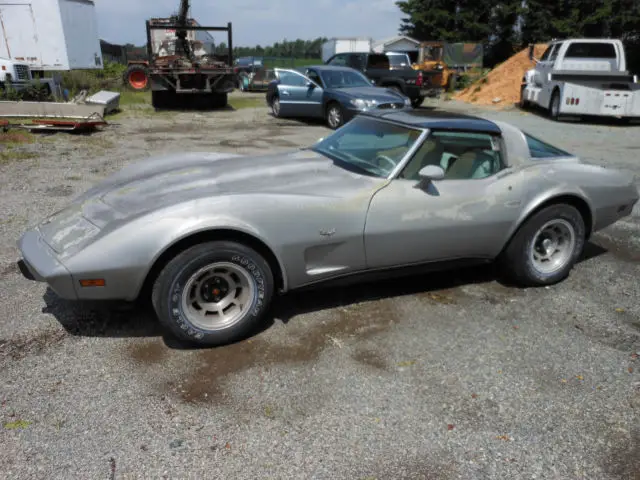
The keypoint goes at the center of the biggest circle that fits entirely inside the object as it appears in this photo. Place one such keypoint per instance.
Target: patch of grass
(134, 98)
(8, 156)
(239, 103)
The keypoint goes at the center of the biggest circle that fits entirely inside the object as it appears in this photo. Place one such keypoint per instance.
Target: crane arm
(181, 20)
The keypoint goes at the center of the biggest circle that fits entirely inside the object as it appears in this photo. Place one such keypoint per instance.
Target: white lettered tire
(213, 293)
(546, 247)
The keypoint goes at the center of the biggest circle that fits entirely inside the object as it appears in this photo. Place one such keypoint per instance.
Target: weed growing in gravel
(7, 156)
(16, 137)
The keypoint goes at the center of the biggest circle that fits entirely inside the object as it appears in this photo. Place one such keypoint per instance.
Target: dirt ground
(454, 376)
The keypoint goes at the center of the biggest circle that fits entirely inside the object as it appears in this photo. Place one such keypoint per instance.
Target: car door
(463, 215)
(543, 69)
(299, 96)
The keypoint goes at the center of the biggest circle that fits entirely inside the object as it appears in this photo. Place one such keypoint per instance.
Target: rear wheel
(554, 106)
(214, 293)
(546, 247)
(136, 78)
(218, 100)
(334, 116)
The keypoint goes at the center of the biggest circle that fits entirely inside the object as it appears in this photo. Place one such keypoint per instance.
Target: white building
(399, 43)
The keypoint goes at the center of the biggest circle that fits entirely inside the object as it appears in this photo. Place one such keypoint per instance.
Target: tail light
(419, 79)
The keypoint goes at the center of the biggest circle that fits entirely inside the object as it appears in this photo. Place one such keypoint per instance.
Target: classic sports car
(335, 94)
(212, 237)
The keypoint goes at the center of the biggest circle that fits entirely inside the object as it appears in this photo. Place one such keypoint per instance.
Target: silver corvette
(211, 238)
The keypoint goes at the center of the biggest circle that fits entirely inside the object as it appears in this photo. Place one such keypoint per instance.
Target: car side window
(554, 53)
(462, 155)
(540, 149)
(547, 52)
(291, 79)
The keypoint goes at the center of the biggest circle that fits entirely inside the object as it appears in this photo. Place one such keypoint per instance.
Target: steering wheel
(386, 159)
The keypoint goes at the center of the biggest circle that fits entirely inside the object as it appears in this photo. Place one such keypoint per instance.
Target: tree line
(287, 48)
(506, 26)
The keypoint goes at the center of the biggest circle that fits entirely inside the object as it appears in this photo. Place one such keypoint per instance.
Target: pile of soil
(503, 82)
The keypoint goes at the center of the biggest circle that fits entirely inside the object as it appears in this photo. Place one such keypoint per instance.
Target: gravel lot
(455, 376)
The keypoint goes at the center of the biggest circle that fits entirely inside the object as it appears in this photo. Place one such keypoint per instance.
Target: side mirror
(311, 84)
(431, 172)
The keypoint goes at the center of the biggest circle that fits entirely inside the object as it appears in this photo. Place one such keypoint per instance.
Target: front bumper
(39, 264)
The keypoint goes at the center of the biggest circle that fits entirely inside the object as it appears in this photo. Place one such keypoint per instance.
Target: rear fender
(572, 196)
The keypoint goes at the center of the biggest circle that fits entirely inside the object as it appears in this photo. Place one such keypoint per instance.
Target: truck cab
(14, 74)
(582, 77)
(377, 67)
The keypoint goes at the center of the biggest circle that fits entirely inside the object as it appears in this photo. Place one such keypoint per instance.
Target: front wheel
(214, 293)
(335, 116)
(524, 104)
(546, 247)
(416, 102)
(275, 107)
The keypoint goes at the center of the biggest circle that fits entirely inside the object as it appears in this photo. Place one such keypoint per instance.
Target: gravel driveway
(455, 376)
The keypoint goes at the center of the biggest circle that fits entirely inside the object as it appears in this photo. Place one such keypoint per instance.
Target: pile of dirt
(503, 82)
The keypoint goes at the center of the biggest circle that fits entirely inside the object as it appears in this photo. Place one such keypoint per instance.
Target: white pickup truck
(582, 77)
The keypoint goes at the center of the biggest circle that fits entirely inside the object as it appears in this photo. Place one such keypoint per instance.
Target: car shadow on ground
(109, 321)
(582, 119)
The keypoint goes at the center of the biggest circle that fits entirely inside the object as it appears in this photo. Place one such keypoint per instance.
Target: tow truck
(582, 77)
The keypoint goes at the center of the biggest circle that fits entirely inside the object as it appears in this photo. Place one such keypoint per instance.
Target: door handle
(285, 92)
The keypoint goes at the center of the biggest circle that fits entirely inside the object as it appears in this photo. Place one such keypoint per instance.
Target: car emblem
(327, 233)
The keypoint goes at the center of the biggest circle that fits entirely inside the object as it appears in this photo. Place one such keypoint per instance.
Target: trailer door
(19, 39)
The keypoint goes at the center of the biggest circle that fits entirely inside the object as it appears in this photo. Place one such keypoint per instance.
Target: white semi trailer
(50, 35)
(579, 77)
(345, 45)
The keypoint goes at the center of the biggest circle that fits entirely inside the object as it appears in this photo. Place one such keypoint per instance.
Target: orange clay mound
(502, 82)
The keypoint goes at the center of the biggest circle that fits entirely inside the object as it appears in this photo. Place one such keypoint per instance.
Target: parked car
(210, 238)
(415, 84)
(335, 94)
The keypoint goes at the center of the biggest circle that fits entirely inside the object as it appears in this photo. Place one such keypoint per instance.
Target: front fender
(124, 256)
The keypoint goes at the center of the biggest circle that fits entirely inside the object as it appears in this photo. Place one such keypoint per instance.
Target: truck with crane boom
(181, 71)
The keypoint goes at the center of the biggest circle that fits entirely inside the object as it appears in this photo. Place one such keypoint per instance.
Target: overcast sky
(256, 21)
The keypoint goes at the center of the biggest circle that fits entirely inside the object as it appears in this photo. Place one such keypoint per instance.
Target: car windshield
(344, 79)
(369, 146)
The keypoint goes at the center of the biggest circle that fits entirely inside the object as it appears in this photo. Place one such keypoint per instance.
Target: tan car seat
(472, 164)
(429, 154)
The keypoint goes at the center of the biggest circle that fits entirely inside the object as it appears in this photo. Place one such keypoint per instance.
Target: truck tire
(218, 100)
(162, 99)
(523, 104)
(136, 78)
(554, 106)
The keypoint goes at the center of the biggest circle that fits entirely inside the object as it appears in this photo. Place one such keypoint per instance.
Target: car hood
(382, 95)
(159, 182)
